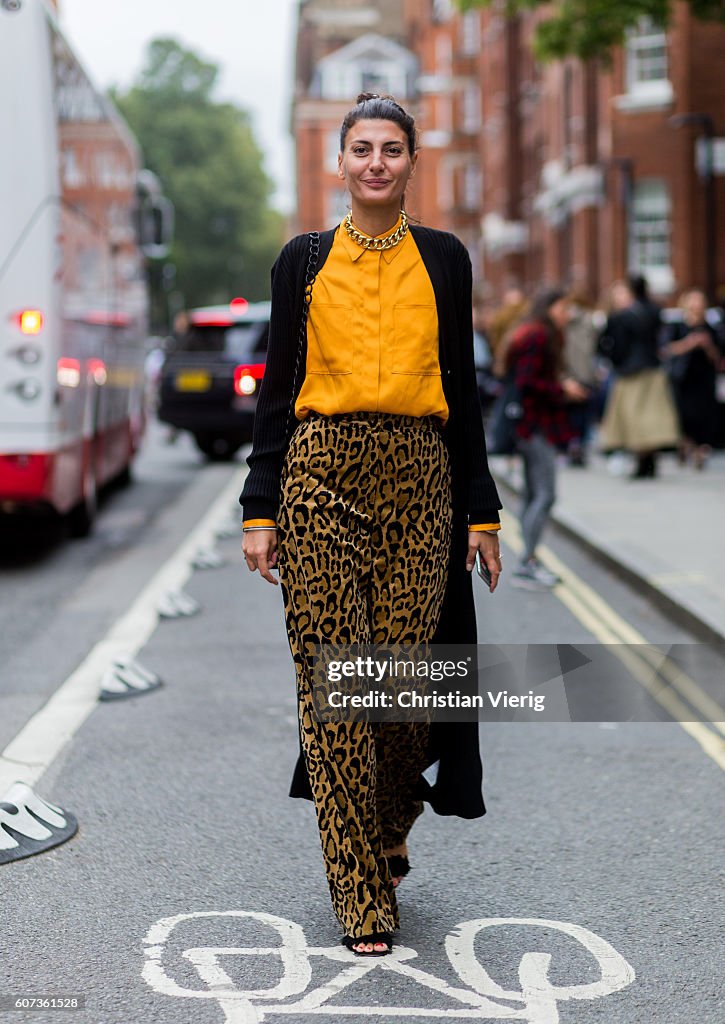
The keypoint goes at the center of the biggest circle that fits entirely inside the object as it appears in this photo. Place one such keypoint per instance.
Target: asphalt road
(590, 892)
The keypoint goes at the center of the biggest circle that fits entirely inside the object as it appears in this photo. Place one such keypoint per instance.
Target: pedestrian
(693, 354)
(640, 415)
(581, 336)
(375, 507)
(535, 361)
(488, 385)
(504, 319)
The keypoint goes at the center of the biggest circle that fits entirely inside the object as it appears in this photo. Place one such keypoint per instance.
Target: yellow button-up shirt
(372, 334)
(372, 338)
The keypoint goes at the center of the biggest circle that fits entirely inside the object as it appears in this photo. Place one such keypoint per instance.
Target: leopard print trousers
(364, 538)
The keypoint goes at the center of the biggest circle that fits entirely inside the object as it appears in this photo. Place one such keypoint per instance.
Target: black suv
(210, 378)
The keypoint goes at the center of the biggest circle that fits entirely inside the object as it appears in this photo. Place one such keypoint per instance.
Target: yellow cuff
(485, 526)
(260, 522)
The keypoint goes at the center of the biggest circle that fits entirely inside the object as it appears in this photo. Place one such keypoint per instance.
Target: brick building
(565, 172)
(585, 175)
(343, 48)
(447, 189)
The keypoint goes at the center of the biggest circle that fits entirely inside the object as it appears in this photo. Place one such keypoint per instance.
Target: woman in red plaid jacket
(535, 359)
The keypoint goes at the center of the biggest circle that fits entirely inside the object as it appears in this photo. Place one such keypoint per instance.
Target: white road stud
(29, 825)
(176, 605)
(127, 677)
(208, 558)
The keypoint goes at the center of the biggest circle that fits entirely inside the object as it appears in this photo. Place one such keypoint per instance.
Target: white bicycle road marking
(536, 1002)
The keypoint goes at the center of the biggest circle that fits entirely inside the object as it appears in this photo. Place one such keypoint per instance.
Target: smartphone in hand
(483, 570)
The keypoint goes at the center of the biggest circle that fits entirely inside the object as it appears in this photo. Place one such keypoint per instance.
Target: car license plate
(193, 380)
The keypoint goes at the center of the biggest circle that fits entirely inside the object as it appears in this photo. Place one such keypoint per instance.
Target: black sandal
(376, 937)
(398, 866)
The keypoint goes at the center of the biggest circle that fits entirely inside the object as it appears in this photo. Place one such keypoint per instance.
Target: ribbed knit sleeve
(260, 496)
(483, 499)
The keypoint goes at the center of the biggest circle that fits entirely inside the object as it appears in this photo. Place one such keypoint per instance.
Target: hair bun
(365, 96)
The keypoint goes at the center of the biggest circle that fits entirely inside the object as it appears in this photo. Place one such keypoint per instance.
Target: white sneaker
(527, 577)
(544, 574)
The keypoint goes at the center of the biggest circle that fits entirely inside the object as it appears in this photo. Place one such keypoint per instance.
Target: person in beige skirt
(640, 415)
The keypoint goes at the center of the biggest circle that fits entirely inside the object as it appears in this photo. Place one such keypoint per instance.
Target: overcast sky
(251, 40)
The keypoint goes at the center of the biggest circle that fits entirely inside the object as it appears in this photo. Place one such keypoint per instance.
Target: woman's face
(621, 296)
(560, 313)
(376, 164)
(694, 307)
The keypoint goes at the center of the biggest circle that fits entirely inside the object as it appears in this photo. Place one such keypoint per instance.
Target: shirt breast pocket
(415, 339)
(329, 338)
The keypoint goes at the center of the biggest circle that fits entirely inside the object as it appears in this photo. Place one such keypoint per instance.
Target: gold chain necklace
(377, 244)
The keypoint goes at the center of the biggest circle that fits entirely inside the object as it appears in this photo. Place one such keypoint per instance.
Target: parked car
(211, 375)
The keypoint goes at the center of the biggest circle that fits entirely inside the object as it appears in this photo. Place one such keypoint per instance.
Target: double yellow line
(664, 681)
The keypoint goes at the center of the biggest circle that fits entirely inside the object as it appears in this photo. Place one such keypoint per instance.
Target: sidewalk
(667, 535)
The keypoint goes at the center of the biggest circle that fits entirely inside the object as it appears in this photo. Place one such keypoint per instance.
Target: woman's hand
(260, 552)
(574, 391)
(487, 544)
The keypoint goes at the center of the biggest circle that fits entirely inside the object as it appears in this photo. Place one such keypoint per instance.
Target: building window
(443, 54)
(442, 10)
(469, 34)
(340, 82)
(374, 81)
(646, 58)
(650, 246)
(471, 122)
(445, 186)
(471, 187)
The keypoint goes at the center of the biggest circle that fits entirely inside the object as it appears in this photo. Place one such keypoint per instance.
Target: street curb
(571, 528)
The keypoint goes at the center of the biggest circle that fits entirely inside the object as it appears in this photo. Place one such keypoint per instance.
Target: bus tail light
(246, 378)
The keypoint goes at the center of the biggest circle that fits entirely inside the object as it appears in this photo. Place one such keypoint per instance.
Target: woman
(694, 356)
(581, 336)
(535, 360)
(640, 415)
(375, 509)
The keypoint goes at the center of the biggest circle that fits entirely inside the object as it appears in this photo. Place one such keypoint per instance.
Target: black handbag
(507, 411)
(313, 253)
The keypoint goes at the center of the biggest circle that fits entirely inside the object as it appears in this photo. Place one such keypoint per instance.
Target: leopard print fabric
(364, 536)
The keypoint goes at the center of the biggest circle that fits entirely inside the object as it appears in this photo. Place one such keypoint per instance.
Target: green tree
(591, 28)
(205, 154)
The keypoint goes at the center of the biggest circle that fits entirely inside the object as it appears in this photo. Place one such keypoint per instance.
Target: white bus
(73, 295)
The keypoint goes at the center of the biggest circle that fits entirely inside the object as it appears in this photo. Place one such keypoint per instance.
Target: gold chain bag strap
(313, 252)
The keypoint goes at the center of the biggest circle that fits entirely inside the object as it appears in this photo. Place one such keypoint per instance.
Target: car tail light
(239, 305)
(246, 378)
(30, 321)
(97, 370)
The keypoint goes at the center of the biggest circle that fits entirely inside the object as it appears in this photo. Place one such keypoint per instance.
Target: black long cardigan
(457, 787)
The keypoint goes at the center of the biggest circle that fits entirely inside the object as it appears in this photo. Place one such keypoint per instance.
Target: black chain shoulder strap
(313, 252)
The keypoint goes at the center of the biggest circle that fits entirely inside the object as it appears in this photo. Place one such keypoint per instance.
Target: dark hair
(638, 287)
(371, 107)
(539, 313)
(542, 303)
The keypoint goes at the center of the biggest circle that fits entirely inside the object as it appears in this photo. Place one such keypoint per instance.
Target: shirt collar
(355, 251)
